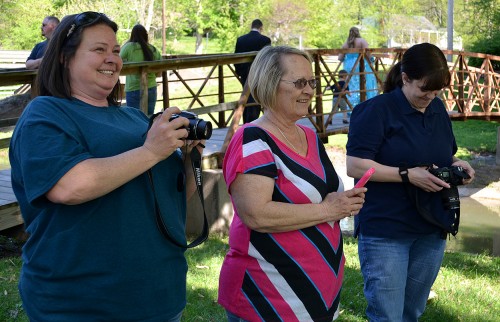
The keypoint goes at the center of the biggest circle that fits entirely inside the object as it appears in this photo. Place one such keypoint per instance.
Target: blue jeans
(398, 275)
(233, 318)
(134, 99)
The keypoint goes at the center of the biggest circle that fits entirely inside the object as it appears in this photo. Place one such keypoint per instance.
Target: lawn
(467, 287)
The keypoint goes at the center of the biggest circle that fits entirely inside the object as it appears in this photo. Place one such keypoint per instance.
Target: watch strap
(403, 172)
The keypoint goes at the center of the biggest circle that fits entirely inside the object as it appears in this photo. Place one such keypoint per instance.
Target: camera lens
(199, 129)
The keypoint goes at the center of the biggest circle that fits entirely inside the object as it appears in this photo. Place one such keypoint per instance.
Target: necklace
(283, 134)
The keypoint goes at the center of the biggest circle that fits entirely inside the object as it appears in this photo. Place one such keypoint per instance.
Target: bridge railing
(207, 85)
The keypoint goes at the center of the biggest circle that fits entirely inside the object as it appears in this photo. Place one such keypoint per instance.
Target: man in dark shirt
(35, 58)
(253, 41)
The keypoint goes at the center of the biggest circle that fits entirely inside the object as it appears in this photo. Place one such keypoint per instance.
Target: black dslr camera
(454, 176)
(198, 129)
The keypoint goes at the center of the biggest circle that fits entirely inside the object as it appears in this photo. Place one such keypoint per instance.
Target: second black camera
(198, 129)
(454, 176)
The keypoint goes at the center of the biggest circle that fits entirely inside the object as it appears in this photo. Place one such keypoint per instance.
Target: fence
(206, 84)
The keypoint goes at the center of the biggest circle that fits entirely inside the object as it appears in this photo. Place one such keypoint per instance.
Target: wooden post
(362, 77)
(319, 97)
(166, 93)
(144, 91)
(238, 112)
(460, 74)
(222, 119)
(498, 146)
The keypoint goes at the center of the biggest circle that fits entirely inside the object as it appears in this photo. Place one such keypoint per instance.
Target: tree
(26, 32)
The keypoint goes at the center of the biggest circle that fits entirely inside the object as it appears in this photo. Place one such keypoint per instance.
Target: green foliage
(24, 33)
(488, 46)
(309, 23)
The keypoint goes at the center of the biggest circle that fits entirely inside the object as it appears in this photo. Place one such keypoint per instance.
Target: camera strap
(196, 164)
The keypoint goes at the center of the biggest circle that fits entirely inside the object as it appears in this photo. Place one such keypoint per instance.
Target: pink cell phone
(365, 178)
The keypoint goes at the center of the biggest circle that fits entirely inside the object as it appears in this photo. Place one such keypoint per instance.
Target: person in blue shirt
(49, 24)
(80, 172)
(339, 102)
(397, 133)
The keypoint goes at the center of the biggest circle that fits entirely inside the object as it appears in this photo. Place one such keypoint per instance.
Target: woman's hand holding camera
(422, 178)
(467, 167)
(165, 136)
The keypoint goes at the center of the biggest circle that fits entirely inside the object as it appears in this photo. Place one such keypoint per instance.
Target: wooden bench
(10, 216)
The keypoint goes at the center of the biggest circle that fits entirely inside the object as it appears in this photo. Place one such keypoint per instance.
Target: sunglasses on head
(84, 19)
(301, 83)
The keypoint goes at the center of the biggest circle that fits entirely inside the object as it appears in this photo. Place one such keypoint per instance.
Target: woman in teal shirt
(138, 49)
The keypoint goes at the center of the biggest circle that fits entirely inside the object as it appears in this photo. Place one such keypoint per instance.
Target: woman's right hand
(422, 178)
(348, 203)
(165, 136)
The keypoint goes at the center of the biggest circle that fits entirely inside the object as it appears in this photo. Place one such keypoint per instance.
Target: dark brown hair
(139, 35)
(420, 62)
(53, 75)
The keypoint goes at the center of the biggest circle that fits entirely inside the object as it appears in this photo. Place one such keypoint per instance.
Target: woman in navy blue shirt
(398, 133)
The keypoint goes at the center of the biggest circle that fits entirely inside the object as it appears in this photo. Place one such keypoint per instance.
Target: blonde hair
(266, 72)
(353, 34)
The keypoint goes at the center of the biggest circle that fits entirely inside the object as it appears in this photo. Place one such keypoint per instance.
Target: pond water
(479, 230)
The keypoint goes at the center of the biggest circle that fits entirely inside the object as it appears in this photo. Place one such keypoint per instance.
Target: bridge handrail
(474, 92)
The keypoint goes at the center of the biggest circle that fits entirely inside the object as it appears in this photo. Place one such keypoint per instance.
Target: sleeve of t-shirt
(33, 53)
(249, 153)
(366, 131)
(47, 147)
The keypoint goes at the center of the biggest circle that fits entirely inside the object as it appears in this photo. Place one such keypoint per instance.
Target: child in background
(339, 94)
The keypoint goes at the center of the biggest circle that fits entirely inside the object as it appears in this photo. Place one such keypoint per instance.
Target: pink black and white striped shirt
(287, 276)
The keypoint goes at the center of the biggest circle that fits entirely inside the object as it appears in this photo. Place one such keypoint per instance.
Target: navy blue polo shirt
(38, 51)
(387, 130)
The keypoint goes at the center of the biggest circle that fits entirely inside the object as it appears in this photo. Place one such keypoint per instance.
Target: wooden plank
(10, 217)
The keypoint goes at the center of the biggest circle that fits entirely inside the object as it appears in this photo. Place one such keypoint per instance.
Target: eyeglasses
(84, 19)
(301, 83)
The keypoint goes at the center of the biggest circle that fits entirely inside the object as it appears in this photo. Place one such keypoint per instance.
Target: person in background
(49, 24)
(354, 40)
(397, 133)
(138, 49)
(339, 94)
(253, 41)
(79, 172)
(285, 261)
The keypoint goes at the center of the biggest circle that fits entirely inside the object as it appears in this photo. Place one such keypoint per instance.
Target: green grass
(467, 286)
(186, 45)
(475, 136)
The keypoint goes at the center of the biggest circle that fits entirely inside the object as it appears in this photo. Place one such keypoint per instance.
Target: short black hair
(257, 24)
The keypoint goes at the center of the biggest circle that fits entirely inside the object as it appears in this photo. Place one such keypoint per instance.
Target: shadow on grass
(472, 266)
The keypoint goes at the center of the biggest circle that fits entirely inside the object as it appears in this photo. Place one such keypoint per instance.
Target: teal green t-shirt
(132, 52)
(104, 259)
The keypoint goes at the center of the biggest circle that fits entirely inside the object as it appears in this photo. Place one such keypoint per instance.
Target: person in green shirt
(138, 49)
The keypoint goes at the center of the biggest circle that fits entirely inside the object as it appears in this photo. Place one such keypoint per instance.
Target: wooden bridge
(207, 86)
